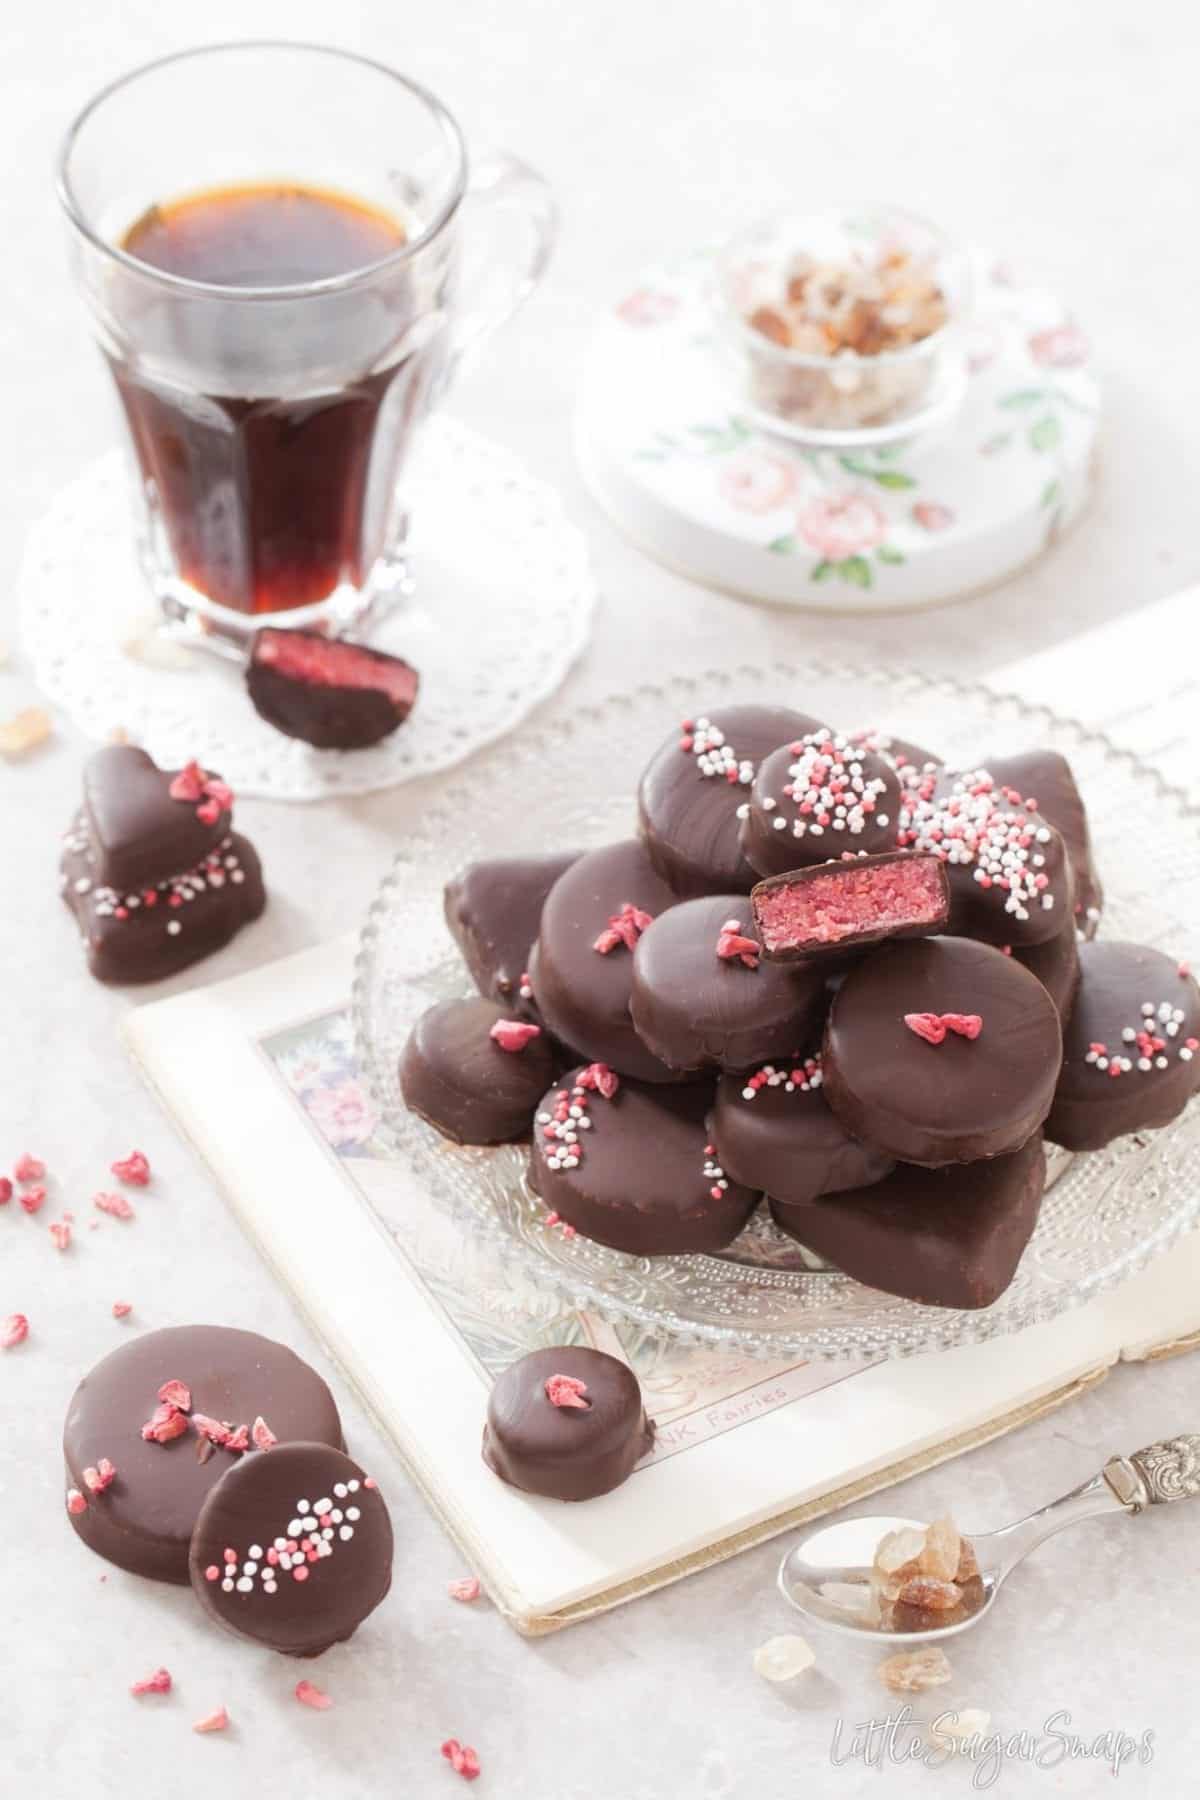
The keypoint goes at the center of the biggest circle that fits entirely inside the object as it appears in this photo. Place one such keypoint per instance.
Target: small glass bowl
(845, 399)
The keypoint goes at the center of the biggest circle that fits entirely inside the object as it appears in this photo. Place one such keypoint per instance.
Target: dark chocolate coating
(1047, 777)
(956, 1101)
(694, 1009)
(583, 995)
(945, 1237)
(851, 875)
(459, 1079)
(788, 1142)
(566, 1452)
(157, 937)
(260, 1505)
(690, 821)
(776, 836)
(326, 713)
(1091, 1106)
(964, 817)
(494, 910)
(641, 1184)
(1056, 965)
(145, 1520)
(137, 834)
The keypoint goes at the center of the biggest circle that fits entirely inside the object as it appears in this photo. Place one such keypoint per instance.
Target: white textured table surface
(1062, 133)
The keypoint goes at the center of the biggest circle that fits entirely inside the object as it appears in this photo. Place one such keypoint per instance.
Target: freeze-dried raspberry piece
(467, 1588)
(29, 1168)
(116, 1205)
(308, 1695)
(175, 1393)
(133, 1170)
(213, 1721)
(33, 1199)
(261, 1434)
(567, 1390)
(165, 1423)
(13, 1331)
(158, 1683)
(462, 1759)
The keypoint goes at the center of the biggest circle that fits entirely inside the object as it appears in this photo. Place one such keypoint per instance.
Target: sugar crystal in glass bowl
(845, 325)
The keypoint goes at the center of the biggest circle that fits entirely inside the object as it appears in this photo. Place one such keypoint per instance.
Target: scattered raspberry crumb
(467, 1588)
(175, 1393)
(97, 1479)
(13, 1331)
(121, 1309)
(566, 1390)
(29, 1168)
(33, 1199)
(116, 1204)
(213, 1429)
(166, 1422)
(462, 1759)
(513, 1034)
(213, 1721)
(308, 1695)
(75, 1502)
(6, 1190)
(158, 1683)
(60, 1235)
(261, 1434)
(133, 1170)
(239, 1439)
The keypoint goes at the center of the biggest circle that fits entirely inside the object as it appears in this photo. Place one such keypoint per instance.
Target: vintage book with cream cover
(260, 1073)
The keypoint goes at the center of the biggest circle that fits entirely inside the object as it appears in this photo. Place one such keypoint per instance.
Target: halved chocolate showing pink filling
(327, 691)
(863, 900)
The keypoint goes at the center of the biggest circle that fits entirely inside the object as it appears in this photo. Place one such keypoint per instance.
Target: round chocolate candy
(474, 1071)
(494, 909)
(694, 787)
(328, 691)
(941, 1050)
(703, 995)
(774, 1130)
(830, 909)
(1046, 777)
(567, 1423)
(1056, 965)
(817, 797)
(945, 1237)
(1010, 880)
(292, 1549)
(1131, 1058)
(143, 1516)
(635, 1168)
(581, 968)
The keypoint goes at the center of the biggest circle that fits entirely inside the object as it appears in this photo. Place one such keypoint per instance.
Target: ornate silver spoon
(827, 1575)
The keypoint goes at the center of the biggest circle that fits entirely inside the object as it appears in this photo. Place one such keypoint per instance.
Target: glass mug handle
(505, 200)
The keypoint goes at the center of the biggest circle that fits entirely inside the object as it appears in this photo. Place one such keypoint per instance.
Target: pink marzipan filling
(333, 664)
(849, 900)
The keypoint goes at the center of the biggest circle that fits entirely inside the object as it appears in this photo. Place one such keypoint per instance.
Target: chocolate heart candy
(138, 834)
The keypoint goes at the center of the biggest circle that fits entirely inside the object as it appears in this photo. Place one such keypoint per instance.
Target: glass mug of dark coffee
(281, 249)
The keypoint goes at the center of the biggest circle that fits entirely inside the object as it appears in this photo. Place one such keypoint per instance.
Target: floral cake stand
(664, 444)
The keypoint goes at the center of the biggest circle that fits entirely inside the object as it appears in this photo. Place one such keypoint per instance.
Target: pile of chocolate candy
(830, 971)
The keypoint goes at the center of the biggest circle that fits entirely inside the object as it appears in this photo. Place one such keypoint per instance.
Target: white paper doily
(504, 595)
(664, 442)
